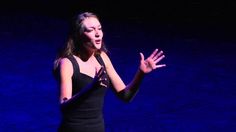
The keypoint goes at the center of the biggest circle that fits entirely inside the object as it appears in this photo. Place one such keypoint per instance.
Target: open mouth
(98, 41)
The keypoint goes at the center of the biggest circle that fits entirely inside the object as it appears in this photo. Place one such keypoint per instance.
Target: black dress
(87, 114)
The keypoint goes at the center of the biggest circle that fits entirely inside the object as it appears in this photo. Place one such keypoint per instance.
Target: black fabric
(86, 115)
(127, 95)
(75, 70)
(105, 78)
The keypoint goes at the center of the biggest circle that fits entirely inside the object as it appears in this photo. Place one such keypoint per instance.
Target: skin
(90, 66)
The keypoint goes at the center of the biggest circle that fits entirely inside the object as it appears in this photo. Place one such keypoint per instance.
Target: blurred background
(194, 93)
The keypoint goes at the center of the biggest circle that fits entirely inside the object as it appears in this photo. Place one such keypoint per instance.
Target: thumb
(142, 56)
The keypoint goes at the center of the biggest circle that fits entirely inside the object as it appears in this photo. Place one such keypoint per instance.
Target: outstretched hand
(151, 63)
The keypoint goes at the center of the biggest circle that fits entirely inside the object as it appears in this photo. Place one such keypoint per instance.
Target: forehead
(91, 22)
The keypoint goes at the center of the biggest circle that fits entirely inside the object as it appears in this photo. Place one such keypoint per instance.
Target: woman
(85, 72)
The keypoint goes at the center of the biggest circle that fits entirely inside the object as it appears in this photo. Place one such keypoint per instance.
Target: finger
(142, 56)
(100, 72)
(153, 53)
(159, 59)
(96, 73)
(157, 55)
(102, 84)
(160, 53)
(159, 66)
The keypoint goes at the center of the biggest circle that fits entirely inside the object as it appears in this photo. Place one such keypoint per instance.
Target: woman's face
(93, 33)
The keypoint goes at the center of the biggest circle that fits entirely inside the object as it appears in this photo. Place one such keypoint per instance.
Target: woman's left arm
(127, 93)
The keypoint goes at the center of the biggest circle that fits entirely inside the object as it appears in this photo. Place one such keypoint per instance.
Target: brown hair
(74, 41)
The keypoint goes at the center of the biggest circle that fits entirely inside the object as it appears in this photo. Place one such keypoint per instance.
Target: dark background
(195, 92)
(201, 17)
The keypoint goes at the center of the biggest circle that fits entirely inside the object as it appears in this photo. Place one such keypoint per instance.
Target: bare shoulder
(105, 57)
(65, 63)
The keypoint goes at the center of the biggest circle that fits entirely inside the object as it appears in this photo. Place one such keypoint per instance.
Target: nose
(97, 33)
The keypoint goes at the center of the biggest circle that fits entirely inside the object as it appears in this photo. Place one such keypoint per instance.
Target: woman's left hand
(151, 63)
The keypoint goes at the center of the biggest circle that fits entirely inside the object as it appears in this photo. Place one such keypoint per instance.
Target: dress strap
(76, 70)
(100, 60)
(105, 77)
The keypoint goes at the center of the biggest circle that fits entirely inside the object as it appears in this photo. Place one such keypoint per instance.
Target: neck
(85, 54)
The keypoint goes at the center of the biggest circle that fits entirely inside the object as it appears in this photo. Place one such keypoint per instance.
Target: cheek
(87, 36)
(101, 33)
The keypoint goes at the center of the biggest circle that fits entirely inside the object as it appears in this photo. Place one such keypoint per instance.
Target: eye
(88, 30)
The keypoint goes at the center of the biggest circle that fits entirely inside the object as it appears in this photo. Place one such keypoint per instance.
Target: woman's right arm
(66, 73)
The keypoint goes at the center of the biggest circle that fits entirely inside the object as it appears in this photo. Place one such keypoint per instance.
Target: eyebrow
(95, 26)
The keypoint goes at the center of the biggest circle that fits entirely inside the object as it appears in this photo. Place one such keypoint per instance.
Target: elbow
(65, 104)
(125, 96)
(62, 106)
(127, 100)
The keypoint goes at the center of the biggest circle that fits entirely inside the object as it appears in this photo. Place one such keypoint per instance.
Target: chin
(98, 46)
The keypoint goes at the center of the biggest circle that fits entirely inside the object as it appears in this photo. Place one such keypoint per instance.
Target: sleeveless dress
(87, 114)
